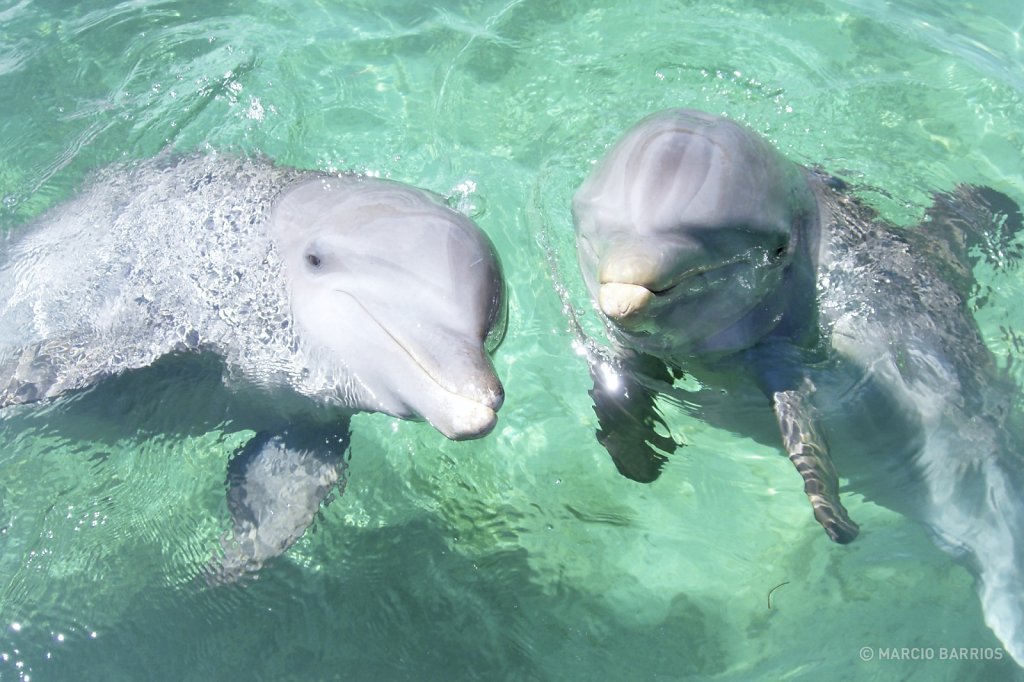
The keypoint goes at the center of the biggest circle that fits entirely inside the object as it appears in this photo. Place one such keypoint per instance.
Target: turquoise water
(523, 556)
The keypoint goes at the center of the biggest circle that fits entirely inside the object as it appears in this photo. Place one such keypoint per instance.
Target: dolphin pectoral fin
(276, 484)
(809, 453)
(628, 421)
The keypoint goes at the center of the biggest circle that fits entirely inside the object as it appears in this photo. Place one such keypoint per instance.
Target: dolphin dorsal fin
(969, 222)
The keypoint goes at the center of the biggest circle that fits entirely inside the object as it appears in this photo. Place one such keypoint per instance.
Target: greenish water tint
(523, 556)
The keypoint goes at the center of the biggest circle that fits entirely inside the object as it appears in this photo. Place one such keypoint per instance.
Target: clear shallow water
(524, 555)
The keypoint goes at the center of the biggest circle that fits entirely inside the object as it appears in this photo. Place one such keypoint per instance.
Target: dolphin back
(944, 432)
(166, 254)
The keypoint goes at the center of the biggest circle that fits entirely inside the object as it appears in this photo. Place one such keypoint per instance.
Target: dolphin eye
(313, 260)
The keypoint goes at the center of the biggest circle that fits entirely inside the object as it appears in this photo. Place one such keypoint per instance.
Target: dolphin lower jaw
(456, 416)
(701, 320)
(463, 413)
(630, 287)
(624, 303)
(460, 411)
(464, 420)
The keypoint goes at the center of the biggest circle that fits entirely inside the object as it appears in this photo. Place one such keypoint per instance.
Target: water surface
(523, 556)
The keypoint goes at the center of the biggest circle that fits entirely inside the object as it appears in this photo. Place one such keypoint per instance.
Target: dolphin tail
(809, 452)
(276, 484)
(628, 420)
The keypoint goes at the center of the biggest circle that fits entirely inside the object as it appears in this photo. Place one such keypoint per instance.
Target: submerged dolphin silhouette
(707, 251)
(322, 295)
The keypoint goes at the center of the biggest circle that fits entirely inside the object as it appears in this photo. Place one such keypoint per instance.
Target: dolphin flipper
(809, 453)
(628, 419)
(276, 484)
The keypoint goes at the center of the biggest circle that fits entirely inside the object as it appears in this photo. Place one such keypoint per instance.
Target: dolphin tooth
(622, 302)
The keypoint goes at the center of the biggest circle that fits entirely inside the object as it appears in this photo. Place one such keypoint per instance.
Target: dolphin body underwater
(709, 252)
(318, 296)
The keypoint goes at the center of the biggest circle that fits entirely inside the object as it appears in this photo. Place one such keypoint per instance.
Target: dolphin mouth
(694, 281)
(625, 301)
(455, 414)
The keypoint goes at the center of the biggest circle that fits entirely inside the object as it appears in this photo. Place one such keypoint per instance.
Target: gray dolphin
(322, 295)
(707, 251)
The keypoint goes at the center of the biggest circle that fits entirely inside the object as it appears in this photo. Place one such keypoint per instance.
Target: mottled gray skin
(322, 295)
(708, 251)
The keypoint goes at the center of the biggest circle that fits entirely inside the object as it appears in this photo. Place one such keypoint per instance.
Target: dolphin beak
(459, 392)
(460, 401)
(624, 303)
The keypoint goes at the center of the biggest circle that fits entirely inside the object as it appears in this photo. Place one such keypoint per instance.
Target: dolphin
(320, 296)
(708, 252)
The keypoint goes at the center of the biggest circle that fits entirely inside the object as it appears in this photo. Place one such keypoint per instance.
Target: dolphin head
(404, 294)
(686, 231)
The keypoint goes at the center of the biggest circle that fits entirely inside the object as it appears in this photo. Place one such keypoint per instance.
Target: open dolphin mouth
(458, 414)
